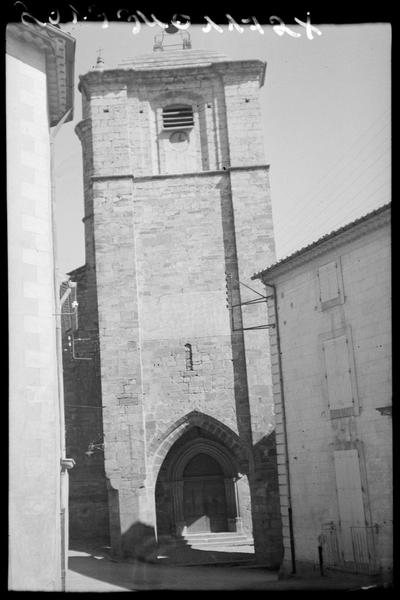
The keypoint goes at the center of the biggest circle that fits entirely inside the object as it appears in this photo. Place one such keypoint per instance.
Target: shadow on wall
(140, 545)
(97, 573)
(139, 542)
(264, 486)
(262, 471)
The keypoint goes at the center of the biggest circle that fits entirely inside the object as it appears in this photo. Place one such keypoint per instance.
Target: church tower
(177, 219)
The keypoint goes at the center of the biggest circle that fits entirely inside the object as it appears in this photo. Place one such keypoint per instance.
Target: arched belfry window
(188, 357)
(177, 116)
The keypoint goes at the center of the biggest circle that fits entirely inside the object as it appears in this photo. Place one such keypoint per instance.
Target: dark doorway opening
(204, 499)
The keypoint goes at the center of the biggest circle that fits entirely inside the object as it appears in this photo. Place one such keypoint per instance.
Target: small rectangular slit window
(177, 117)
(188, 357)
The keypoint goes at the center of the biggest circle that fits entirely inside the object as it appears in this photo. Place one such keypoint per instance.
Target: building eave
(78, 270)
(59, 48)
(103, 74)
(362, 226)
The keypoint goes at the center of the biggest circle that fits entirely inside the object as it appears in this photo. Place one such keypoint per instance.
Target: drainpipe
(65, 463)
(278, 344)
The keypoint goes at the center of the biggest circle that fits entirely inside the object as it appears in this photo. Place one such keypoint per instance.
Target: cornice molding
(147, 73)
(161, 176)
(59, 49)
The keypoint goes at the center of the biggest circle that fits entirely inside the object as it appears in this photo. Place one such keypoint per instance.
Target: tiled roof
(168, 59)
(356, 227)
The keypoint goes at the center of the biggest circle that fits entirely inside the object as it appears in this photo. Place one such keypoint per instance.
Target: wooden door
(350, 500)
(204, 499)
(196, 519)
(215, 503)
(204, 505)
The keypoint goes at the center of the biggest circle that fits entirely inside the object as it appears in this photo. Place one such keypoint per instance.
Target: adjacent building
(169, 405)
(330, 304)
(39, 98)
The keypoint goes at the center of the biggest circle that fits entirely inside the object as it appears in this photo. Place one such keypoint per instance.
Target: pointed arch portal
(196, 489)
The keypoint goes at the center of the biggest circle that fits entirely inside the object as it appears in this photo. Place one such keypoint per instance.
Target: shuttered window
(338, 373)
(328, 282)
(177, 117)
(349, 494)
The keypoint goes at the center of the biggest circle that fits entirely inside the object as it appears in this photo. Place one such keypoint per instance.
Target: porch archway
(197, 489)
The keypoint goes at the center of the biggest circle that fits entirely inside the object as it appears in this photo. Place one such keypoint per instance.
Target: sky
(326, 106)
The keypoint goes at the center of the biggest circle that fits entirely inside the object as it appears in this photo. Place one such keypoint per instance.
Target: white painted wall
(34, 464)
(314, 431)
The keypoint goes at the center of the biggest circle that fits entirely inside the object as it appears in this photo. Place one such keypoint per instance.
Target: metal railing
(363, 548)
(363, 543)
(332, 556)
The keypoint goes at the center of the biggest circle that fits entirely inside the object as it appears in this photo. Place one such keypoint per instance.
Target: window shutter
(177, 117)
(328, 282)
(349, 492)
(336, 355)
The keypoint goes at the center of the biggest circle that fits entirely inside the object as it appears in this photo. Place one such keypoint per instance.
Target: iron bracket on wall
(260, 299)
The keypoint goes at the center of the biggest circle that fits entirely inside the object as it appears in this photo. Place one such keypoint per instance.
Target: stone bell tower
(177, 219)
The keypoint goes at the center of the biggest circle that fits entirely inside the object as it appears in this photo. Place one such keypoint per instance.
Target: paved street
(91, 572)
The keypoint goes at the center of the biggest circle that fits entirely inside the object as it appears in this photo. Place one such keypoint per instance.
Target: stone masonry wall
(180, 262)
(243, 114)
(163, 248)
(254, 246)
(119, 335)
(88, 514)
(174, 249)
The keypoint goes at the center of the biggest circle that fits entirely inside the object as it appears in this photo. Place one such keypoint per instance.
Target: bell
(171, 29)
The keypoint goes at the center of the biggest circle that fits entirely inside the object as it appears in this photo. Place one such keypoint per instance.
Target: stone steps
(198, 540)
(229, 548)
